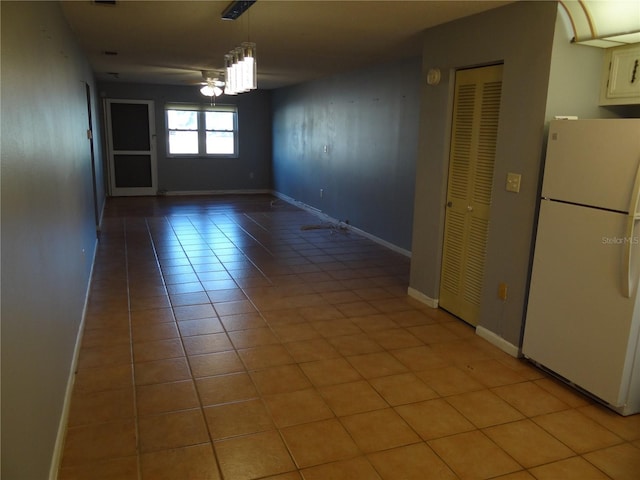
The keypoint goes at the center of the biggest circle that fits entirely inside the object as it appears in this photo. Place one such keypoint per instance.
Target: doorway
(94, 182)
(131, 144)
(476, 112)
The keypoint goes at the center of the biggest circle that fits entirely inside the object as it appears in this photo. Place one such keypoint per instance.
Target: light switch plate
(513, 182)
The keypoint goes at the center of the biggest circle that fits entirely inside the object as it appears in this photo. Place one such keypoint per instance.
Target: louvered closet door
(471, 159)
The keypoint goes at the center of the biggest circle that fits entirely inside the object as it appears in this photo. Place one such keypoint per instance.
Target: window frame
(201, 110)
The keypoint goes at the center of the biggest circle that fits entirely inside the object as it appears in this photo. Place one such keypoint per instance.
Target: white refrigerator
(583, 313)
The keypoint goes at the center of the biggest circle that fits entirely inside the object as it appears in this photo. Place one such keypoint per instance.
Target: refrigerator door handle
(628, 255)
(630, 240)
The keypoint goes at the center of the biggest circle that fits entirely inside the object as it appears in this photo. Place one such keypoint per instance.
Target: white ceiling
(171, 42)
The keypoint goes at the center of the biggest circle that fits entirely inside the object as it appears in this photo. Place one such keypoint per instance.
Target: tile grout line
(187, 357)
(133, 370)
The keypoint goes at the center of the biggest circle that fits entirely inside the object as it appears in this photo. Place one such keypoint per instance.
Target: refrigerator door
(580, 324)
(592, 162)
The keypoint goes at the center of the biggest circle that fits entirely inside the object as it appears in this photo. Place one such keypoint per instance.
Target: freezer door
(592, 162)
(579, 322)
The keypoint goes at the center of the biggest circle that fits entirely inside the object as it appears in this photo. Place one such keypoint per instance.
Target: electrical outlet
(513, 182)
(502, 291)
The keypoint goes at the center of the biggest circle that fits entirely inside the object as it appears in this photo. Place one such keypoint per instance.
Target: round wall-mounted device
(433, 76)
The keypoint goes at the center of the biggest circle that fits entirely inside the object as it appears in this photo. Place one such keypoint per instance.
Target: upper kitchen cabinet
(621, 76)
(613, 25)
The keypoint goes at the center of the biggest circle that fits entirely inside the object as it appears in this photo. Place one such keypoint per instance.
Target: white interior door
(131, 144)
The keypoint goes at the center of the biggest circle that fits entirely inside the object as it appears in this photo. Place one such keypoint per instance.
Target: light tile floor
(240, 338)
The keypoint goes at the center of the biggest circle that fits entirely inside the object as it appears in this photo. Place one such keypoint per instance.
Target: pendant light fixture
(240, 66)
(240, 69)
(240, 62)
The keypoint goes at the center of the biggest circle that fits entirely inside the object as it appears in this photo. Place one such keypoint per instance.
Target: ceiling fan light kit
(214, 84)
(210, 90)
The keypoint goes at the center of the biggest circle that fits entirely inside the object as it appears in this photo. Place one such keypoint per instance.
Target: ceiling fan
(212, 84)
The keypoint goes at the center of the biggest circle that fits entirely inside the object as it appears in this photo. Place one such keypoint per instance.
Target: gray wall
(251, 170)
(48, 227)
(368, 121)
(520, 35)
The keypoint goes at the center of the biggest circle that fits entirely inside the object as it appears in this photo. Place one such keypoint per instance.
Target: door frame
(131, 191)
(94, 181)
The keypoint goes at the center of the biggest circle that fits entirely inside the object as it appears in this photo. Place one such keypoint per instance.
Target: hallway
(241, 338)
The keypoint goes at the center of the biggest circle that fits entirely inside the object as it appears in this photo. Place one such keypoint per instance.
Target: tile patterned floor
(240, 338)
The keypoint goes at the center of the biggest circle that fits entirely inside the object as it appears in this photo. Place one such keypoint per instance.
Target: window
(202, 130)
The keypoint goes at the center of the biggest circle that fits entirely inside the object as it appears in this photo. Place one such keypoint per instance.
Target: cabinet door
(621, 85)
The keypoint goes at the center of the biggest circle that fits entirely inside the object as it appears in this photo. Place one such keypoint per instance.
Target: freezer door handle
(630, 240)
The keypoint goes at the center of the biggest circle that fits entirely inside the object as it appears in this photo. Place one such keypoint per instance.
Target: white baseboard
(58, 448)
(101, 216)
(421, 297)
(498, 341)
(304, 206)
(380, 241)
(214, 192)
(346, 226)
